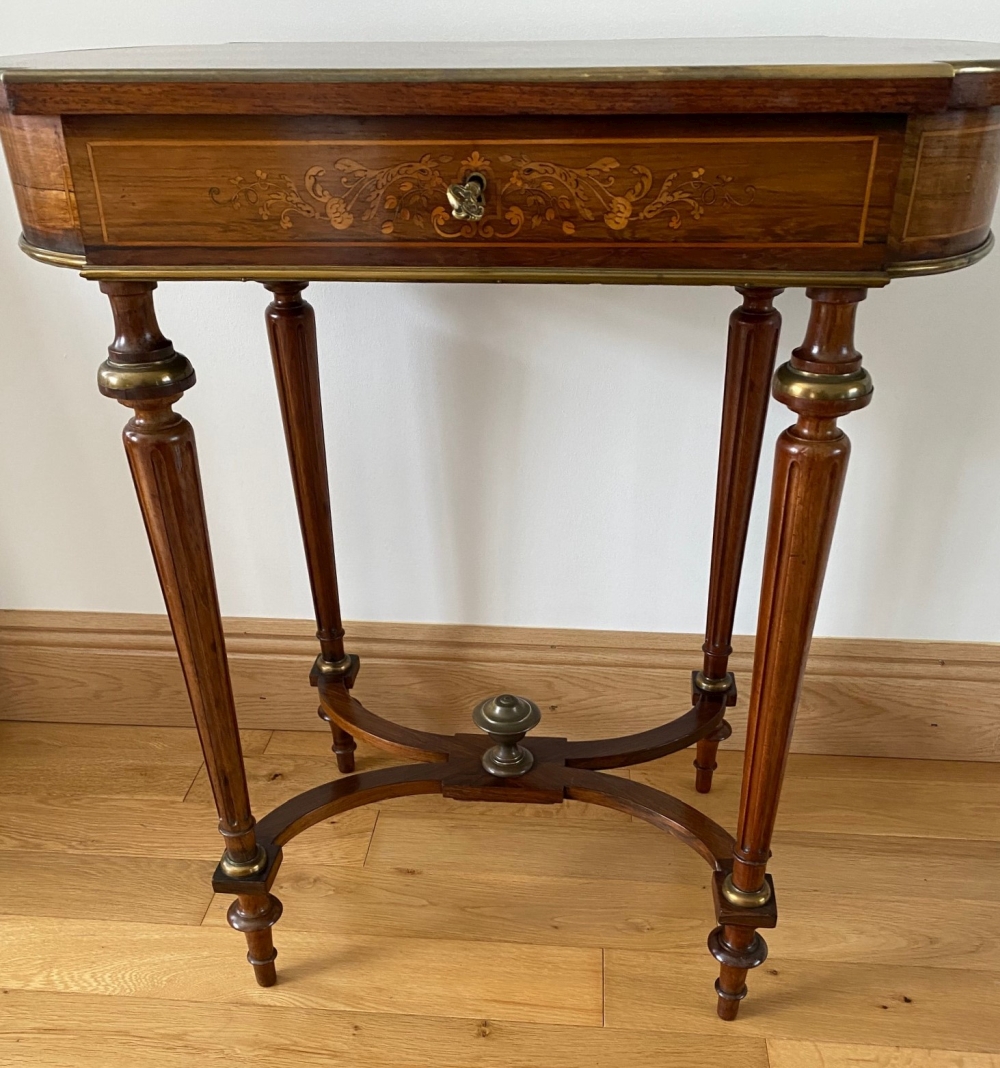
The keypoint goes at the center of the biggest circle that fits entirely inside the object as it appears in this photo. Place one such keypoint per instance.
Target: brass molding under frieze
(944, 264)
(555, 275)
(933, 69)
(73, 260)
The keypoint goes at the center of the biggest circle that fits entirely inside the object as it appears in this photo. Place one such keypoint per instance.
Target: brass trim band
(555, 275)
(135, 380)
(745, 899)
(943, 69)
(707, 685)
(791, 384)
(333, 668)
(240, 869)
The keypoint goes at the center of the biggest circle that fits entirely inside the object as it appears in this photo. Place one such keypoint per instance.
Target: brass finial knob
(506, 719)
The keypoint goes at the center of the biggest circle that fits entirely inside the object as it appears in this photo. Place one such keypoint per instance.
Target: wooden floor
(426, 933)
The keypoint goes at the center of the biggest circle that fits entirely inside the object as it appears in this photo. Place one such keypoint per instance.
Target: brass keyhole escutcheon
(468, 198)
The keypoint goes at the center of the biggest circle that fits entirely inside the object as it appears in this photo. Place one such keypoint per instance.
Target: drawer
(770, 191)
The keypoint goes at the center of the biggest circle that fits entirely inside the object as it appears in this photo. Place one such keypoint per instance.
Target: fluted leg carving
(145, 374)
(822, 381)
(291, 331)
(753, 343)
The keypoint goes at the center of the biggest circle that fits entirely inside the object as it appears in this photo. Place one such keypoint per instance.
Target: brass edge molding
(944, 264)
(932, 69)
(579, 275)
(72, 260)
(527, 275)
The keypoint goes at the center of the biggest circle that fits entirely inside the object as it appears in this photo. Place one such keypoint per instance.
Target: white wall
(515, 455)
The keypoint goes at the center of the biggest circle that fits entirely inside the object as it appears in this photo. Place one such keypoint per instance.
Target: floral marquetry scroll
(549, 198)
(389, 194)
(368, 197)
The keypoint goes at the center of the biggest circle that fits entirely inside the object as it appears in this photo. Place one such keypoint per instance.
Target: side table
(833, 165)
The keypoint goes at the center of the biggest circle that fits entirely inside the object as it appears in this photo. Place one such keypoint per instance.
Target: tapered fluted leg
(823, 380)
(753, 342)
(144, 373)
(291, 330)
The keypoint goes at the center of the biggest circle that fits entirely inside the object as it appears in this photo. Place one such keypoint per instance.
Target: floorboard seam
(371, 837)
(604, 1000)
(187, 792)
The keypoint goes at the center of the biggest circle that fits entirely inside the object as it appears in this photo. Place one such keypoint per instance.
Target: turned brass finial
(506, 719)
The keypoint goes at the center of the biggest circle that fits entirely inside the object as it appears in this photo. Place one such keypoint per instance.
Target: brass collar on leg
(240, 869)
(745, 899)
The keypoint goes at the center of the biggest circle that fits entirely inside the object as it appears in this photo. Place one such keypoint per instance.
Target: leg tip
(703, 777)
(727, 1010)
(728, 1004)
(345, 762)
(265, 974)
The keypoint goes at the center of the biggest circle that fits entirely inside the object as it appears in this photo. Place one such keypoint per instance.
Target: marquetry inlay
(954, 182)
(682, 191)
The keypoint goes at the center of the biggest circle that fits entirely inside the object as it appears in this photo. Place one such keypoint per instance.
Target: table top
(767, 161)
(799, 57)
(682, 75)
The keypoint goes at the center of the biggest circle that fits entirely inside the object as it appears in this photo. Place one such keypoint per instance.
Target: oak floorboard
(905, 868)
(964, 804)
(273, 779)
(42, 1030)
(424, 931)
(321, 969)
(507, 908)
(791, 1054)
(662, 917)
(84, 774)
(115, 888)
(146, 828)
(167, 743)
(866, 769)
(865, 1004)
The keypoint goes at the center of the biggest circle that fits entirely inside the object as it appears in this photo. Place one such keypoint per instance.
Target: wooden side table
(830, 164)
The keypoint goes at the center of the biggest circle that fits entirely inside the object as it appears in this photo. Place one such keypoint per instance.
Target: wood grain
(785, 1053)
(872, 1004)
(420, 900)
(961, 798)
(459, 923)
(794, 182)
(40, 174)
(321, 970)
(861, 697)
(74, 774)
(947, 182)
(51, 884)
(42, 1030)
(879, 865)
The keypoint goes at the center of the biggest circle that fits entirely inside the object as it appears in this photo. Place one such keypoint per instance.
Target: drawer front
(343, 192)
